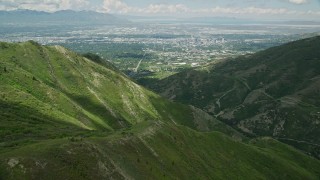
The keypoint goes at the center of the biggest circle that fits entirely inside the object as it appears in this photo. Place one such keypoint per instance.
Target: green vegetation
(65, 116)
(271, 93)
(62, 87)
(123, 55)
(158, 151)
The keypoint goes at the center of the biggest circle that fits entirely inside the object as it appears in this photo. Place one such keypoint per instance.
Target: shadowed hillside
(271, 93)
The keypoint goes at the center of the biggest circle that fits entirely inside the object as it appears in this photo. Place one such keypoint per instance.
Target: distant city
(145, 48)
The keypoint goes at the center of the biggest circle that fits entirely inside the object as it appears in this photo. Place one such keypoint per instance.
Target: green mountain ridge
(66, 88)
(65, 116)
(271, 93)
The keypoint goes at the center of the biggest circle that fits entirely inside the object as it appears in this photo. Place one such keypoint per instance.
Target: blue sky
(265, 9)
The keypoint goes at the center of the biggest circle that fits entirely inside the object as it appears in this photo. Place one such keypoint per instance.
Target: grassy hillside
(271, 93)
(65, 116)
(155, 150)
(48, 88)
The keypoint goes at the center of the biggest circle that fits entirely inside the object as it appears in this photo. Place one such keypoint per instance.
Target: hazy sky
(267, 9)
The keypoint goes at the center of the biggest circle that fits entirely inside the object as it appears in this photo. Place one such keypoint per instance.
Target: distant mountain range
(70, 17)
(67, 17)
(215, 20)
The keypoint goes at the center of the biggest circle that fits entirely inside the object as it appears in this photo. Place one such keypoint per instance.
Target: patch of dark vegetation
(4, 45)
(94, 58)
(34, 43)
(97, 59)
(21, 124)
(99, 110)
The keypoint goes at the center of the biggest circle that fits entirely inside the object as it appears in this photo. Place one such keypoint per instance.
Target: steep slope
(63, 116)
(65, 91)
(271, 93)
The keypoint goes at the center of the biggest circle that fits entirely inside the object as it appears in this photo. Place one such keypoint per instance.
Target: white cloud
(163, 9)
(44, 5)
(115, 6)
(248, 10)
(118, 6)
(298, 1)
